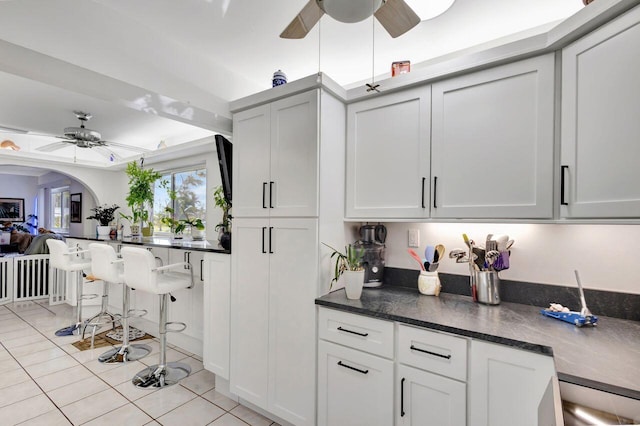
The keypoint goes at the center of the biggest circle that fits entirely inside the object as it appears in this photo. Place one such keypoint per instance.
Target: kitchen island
(167, 242)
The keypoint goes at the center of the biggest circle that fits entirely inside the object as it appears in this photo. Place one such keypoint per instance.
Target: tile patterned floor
(45, 380)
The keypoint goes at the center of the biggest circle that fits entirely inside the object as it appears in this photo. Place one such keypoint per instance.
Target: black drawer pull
(270, 195)
(264, 228)
(353, 332)
(352, 368)
(562, 185)
(430, 353)
(435, 191)
(422, 202)
(264, 191)
(402, 413)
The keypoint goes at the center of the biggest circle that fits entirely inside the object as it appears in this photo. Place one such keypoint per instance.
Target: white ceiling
(205, 53)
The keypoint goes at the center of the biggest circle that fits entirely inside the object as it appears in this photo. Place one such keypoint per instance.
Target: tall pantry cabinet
(287, 197)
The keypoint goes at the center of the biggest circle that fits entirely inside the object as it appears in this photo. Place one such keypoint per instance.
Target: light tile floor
(45, 380)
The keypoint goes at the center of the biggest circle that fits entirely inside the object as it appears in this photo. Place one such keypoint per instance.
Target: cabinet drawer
(436, 352)
(359, 332)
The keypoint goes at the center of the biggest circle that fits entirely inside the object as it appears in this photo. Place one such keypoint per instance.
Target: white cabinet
(506, 385)
(388, 156)
(424, 398)
(600, 126)
(216, 318)
(492, 142)
(275, 162)
(354, 388)
(275, 282)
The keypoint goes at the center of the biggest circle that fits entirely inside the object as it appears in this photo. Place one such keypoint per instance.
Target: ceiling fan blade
(396, 17)
(106, 152)
(306, 19)
(53, 146)
(123, 146)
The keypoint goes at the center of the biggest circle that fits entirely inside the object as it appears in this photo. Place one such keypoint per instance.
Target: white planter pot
(353, 283)
(104, 231)
(197, 234)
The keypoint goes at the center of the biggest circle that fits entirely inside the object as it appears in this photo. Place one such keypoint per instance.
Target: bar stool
(63, 258)
(106, 266)
(141, 273)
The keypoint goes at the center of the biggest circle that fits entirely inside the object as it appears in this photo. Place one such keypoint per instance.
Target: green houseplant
(349, 265)
(140, 196)
(104, 215)
(224, 227)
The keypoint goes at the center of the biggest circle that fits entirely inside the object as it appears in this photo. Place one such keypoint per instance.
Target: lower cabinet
(424, 398)
(355, 388)
(216, 304)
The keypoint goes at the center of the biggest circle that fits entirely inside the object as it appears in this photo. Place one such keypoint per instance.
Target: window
(190, 202)
(59, 214)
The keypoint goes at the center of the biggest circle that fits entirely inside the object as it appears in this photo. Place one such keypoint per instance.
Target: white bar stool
(141, 273)
(63, 258)
(106, 266)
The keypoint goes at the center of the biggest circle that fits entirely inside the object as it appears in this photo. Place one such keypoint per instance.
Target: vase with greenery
(140, 196)
(224, 227)
(104, 215)
(348, 266)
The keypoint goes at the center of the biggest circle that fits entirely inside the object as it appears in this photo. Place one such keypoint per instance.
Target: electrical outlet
(414, 238)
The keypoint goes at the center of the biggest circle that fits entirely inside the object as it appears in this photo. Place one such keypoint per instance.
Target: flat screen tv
(225, 149)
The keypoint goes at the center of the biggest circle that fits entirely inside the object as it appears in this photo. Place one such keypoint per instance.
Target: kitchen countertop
(167, 242)
(606, 357)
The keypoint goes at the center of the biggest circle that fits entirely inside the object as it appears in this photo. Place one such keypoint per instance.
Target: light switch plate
(414, 238)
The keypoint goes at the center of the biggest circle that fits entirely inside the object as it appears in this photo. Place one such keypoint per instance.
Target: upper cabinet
(276, 163)
(492, 142)
(388, 156)
(600, 125)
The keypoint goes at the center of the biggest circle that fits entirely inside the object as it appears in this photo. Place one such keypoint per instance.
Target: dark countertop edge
(600, 386)
(170, 244)
(532, 347)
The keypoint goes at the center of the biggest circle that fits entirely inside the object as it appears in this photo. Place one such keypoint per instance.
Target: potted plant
(224, 227)
(104, 215)
(196, 225)
(349, 264)
(140, 197)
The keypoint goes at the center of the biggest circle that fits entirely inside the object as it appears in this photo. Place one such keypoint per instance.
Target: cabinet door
(354, 388)
(293, 287)
(250, 310)
(492, 142)
(388, 156)
(600, 126)
(506, 385)
(251, 152)
(217, 300)
(293, 187)
(428, 399)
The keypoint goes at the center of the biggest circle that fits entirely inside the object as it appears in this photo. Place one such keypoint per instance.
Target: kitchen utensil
(433, 267)
(480, 257)
(509, 244)
(466, 240)
(490, 257)
(429, 252)
(439, 254)
(502, 241)
(413, 254)
(584, 311)
(584, 317)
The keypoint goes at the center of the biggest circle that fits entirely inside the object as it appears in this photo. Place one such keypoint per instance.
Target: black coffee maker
(372, 238)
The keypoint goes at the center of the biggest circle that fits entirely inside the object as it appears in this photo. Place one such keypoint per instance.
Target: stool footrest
(137, 313)
(182, 326)
(89, 296)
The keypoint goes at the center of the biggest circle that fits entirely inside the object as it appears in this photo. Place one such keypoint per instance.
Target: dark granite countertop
(606, 357)
(167, 242)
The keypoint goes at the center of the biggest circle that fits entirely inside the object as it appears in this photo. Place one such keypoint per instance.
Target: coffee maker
(372, 238)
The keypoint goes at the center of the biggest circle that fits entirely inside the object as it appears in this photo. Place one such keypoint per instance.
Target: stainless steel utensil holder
(485, 287)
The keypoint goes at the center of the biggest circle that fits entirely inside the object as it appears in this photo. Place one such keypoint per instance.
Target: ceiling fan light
(349, 11)
(82, 134)
(429, 9)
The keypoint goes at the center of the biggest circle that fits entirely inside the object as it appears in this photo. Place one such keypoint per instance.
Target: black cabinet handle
(270, 195)
(435, 191)
(402, 413)
(562, 185)
(270, 239)
(353, 332)
(264, 228)
(201, 267)
(264, 193)
(413, 348)
(422, 202)
(352, 368)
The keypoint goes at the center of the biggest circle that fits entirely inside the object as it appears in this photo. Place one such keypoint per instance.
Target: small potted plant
(104, 215)
(196, 225)
(140, 197)
(224, 227)
(349, 264)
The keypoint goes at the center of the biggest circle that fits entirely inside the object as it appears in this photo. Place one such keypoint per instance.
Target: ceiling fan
(82, 137)
(395, 15)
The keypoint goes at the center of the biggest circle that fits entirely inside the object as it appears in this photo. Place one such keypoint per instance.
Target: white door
(492, 142)
(506, 385)
(251, 151)
(217, 311)
(427, 399)
(293, 287)
(354, 388)
(600, 126)
(293, 187)
(388, 156)
(250, 310)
